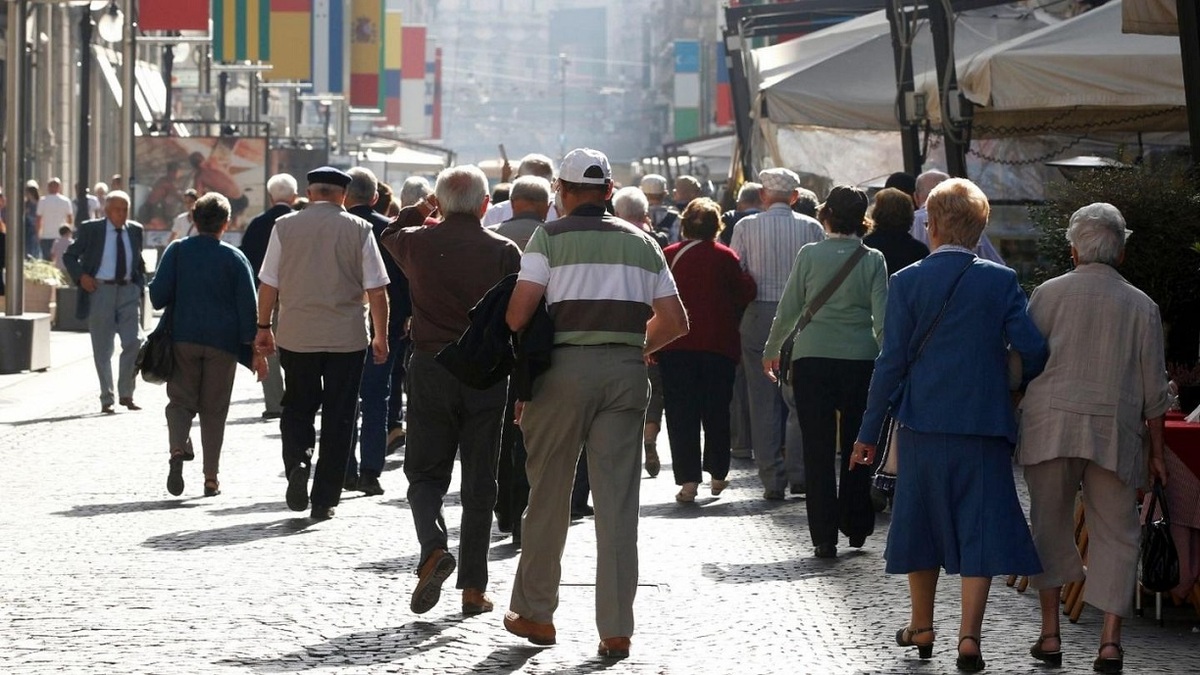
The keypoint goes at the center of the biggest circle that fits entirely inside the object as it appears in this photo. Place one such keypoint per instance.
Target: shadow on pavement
(711, 507)
(506, 660)
(753, 573)
(52, 420)
(190, 540)
(374, 647)
(89, 510)
(261, 507)
(403, 565)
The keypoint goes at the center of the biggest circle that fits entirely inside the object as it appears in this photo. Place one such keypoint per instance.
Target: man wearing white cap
(767, 243)
(613, 302)
(663, 217)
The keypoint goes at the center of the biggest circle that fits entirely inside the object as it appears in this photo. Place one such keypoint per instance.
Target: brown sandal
(212, 487)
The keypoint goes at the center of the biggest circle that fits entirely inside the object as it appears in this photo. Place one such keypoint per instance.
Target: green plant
(44, 273)
(1161, 205)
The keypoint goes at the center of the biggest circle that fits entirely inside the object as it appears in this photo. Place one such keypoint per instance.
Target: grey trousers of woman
(201, 385)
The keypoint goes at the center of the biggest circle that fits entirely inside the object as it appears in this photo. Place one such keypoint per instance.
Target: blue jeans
(374, 394)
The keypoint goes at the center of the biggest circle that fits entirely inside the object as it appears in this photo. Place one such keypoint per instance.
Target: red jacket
(715, 290)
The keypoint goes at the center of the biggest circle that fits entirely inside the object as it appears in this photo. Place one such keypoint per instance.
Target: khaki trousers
(201, 385)
(1110, 509)
(593, 396)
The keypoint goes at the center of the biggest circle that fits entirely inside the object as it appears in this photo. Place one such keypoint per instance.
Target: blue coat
(959, 385)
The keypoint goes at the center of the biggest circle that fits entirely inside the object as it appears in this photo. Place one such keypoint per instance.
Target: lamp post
(14, 299)
(86, 26)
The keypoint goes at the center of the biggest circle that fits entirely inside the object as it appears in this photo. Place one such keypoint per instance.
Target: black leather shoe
(321, 512)
(175, 476)
(579, 512)
(107, 410)
(128, 403)
(858, 540)
(369, 485)
(350, 482)
(504, 522)
(297, 489)
(825, 551)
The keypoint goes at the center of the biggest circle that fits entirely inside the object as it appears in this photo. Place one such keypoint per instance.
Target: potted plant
(42, 279)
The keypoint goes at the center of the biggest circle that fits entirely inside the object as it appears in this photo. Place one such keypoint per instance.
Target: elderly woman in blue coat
(942, 374)
(1083, 422)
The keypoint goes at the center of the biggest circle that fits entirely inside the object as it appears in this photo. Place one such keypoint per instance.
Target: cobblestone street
(104, 572)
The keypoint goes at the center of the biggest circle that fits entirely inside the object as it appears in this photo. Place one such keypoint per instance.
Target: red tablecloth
(1184, 440)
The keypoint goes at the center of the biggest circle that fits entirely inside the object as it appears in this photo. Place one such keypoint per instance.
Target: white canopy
(401, 162)
(1081, 75)
(844, 77)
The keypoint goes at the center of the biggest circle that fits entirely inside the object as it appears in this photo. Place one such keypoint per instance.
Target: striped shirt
(767, 243)
(602, 276)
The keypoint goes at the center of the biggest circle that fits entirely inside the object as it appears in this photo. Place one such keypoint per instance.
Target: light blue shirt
(108, 260)
(984, 249)
(767, 243)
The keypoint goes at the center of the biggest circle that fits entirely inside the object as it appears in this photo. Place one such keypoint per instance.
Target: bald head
(926, 182)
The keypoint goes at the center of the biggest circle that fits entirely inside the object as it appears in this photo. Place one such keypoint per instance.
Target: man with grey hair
(415, 189)
(925, 184)
(631, 204)
(449, 268)
(375, 390)
(664, 218)
(531, 165)
(767, 244)
(105, 261)
(749, 201)
(281, 188)
(530, 202)
(319, 264)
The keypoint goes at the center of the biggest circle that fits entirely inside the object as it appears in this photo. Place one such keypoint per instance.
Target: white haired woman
(1083, 421)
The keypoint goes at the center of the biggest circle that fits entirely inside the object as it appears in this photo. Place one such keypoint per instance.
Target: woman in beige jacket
(1083, 421)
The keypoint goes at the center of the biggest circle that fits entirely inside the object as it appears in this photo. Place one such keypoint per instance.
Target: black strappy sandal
(1110, 664)
(969, 663)
(1052, 658)
(904, 638)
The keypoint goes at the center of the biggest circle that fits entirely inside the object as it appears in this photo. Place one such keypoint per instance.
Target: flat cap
(328, 175)
(779, 180)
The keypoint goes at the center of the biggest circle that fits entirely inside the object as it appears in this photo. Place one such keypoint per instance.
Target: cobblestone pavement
(104, 572)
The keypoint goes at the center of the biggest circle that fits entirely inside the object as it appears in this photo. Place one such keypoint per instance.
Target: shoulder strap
(940, 314)
(827, 291)
(682, 250)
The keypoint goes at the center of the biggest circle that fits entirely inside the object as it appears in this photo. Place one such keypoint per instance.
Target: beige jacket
(1105, 375)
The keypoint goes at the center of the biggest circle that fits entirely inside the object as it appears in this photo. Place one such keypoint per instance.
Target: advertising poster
(167, 166)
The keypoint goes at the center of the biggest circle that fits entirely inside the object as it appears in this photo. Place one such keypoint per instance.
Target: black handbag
(1159, 558)
(156, 356)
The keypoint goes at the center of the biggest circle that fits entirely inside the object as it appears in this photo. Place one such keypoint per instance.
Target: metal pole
(910, 132)
(168, 65)
(1189, 47)
(14, 299)
(562, 125)
(222, 90)
(86, 25)
(943, 53)
(129, 82)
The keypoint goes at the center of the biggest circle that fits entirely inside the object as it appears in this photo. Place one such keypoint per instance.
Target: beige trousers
(1110, 509)
(201, 385)
(593, 396)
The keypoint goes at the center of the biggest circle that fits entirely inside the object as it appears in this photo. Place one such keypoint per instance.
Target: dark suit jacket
(397, 289)
(84, 254)
(258, 235)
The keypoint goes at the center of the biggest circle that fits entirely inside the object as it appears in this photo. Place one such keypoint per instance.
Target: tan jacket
(1105, 375)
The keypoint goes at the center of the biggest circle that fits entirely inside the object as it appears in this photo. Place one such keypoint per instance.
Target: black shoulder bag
(789, 345)
(1159, 559)
(156, 356)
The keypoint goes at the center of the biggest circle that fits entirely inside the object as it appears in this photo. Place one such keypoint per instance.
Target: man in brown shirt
(450, 266)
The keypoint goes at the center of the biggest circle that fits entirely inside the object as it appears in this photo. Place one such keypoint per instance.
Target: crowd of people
(539, 340)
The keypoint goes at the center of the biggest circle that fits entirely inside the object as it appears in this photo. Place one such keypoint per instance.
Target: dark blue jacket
(399, 301)
(258, 235)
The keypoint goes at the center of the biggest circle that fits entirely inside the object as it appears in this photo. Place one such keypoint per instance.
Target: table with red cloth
(1183, 499)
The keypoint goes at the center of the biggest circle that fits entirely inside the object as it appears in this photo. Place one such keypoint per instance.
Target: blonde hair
(960, 211)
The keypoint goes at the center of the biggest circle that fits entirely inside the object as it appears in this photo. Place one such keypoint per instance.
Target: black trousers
(697, 390)
(329, 381)
(447, 418)
(824, 388)
(512, 485)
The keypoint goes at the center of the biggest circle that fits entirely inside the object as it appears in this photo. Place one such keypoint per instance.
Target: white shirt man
(53, 211)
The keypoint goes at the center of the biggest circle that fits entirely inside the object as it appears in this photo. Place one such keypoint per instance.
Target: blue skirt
(956, 508)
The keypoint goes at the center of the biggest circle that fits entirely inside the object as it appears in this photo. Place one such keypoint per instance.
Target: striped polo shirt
(602, 275)
(767, 243)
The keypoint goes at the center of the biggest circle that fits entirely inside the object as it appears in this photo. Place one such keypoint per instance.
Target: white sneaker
(687, 493)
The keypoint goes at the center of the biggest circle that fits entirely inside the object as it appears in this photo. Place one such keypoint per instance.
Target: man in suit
(282, 188)
(105, 261)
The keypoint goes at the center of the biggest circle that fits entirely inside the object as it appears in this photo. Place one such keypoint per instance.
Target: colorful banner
(241, 30)
(366, 53)
(412, 81)
(687, 89)
(430, 67)
(291, 40)
(724, 108)
(328, 46)
(173, 15)
(393, 36)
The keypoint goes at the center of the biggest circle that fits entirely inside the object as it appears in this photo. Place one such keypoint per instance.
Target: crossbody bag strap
(682, 250)
(938, 318)
(828, 291)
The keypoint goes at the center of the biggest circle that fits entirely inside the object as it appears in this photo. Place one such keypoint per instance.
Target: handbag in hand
(1159, 559)
(156, 356)
(789, 345)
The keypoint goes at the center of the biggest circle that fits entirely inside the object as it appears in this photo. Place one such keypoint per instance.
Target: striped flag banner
(392, 62)
(329, 46)
(436, 131)
(241, 30)
(366, 53)
(173, 15)
(291, 40)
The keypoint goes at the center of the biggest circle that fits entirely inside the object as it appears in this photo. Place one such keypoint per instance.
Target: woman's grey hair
(531, 189)
(631, 204)
(415, 189)
(1097, 233)
(461, 189)
(282, 187)
(211, 212)
(363, 187)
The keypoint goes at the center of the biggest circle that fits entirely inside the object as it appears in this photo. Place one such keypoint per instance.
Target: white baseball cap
(586, 166)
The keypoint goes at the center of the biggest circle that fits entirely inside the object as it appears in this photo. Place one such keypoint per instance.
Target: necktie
(122, 264)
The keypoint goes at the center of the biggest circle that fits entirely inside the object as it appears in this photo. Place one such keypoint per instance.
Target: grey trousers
(272, 386)
(114, 312)
(447, 418)
(1110, 508)
(768, 412)
(201, 385)
(593, 396)
(739, 416)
